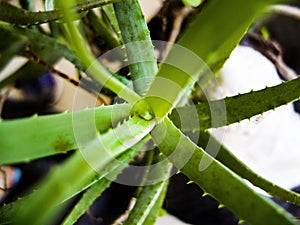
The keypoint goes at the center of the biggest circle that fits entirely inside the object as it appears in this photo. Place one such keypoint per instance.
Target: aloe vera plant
(156, 110)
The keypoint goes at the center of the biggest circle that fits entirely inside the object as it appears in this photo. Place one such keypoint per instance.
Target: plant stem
(95, 69)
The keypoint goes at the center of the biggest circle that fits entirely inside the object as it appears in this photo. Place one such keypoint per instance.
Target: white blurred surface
(268, 144)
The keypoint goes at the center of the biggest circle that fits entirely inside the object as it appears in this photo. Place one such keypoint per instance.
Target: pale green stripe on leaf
(217, 180)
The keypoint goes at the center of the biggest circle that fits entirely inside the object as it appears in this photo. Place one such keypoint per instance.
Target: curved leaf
(217, 180)
(76, 171)
(233, 163)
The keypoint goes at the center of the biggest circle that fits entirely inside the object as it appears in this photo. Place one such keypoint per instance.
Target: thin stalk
(95, 69)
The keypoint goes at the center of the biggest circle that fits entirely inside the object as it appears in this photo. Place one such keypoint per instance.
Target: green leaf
(217, 180)
(97, 189)
(237, 108)
(138, 45)
(69, 177)
(8, 211)
(86, 201)
(95, 69)
(56, 132)
(19, 16)
(211, 37)
(102, 31)
(150, 199)
(233, 163)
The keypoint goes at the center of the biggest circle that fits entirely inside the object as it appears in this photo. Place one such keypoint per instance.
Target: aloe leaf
(237, 166)
(217, 180)
(46, 48)
(138, 45)
(218, 35)
(19, 16)
(157, 207)
(111, 19)
(86, 201)
(56, 132)
(150, 199)
(95, 69)
(78, 170)
(238, 108)
(101, 30)
(96, 189)
(8, 211)
(211, 38)
(39, 40)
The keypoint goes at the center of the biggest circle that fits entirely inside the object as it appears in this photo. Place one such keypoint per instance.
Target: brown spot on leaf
(62, 144)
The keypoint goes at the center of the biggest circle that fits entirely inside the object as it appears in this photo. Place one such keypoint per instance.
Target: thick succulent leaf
(8, 211)
(115, 168)
(238, 108)
(211, 38)
(237, 166)
(217, 180)
(19, 16)
(20, 141)
(138, 45)
(150, 199)
(69, 177)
